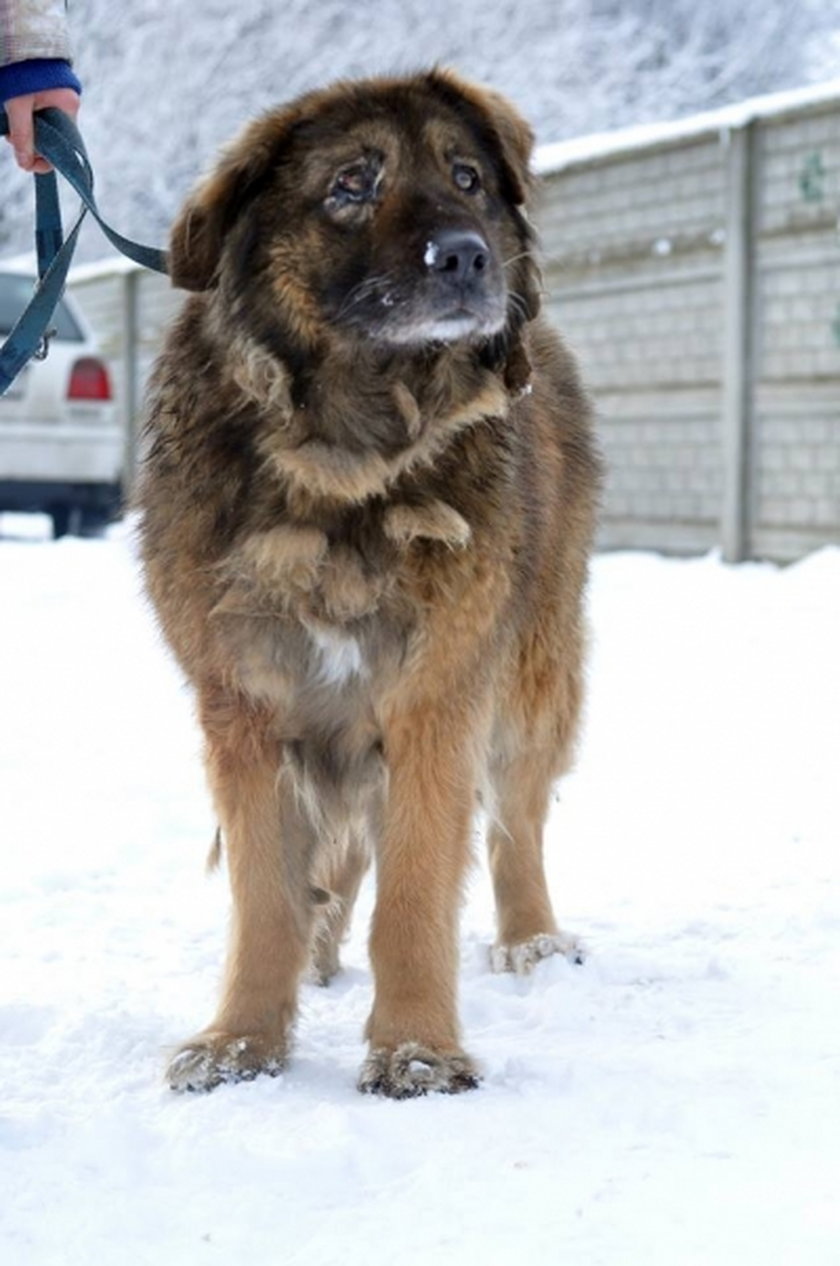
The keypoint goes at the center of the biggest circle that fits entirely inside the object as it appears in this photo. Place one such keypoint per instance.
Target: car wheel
(93, 522)
(63, 516)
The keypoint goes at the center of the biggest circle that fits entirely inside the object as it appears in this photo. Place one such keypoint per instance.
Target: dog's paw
(215, 1059)
(521, 959)
(413, 1070)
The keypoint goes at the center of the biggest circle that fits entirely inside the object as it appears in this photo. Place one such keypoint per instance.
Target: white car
(61, 443)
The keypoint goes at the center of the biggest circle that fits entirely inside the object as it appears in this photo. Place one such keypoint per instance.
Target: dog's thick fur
(366, 512)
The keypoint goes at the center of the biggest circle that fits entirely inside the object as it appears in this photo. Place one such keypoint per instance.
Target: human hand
(19, 111)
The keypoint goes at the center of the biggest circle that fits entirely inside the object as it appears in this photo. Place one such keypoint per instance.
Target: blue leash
(58, 140)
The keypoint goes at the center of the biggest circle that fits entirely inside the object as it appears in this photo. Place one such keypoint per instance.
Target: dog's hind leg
(527, 930)
(266, 843)
(533, 745)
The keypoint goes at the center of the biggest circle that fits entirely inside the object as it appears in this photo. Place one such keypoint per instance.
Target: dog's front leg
(266, 848)
(422, 857)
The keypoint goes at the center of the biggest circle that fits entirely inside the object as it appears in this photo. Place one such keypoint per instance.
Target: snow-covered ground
(675, 1101)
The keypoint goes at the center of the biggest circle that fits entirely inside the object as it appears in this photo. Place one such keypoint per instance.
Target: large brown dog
(366, 513)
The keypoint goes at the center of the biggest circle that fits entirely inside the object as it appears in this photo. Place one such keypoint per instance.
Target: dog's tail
(214, 857)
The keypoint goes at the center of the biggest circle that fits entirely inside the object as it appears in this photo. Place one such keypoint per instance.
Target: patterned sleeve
(32, 30)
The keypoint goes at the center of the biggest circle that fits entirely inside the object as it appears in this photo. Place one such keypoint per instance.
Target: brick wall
(698, 278)
(796, 471)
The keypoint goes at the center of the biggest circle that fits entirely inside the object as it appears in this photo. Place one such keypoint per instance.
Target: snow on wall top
(552, 158)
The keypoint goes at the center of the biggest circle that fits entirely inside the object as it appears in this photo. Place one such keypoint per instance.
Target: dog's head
(388, 210)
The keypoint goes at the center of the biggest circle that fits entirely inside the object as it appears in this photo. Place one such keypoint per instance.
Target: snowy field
(674, 1102)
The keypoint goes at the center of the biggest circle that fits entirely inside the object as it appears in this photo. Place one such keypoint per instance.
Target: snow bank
(674, 1102)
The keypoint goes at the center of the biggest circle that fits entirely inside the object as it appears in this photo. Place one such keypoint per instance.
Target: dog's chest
(311, 610)
(337, 657)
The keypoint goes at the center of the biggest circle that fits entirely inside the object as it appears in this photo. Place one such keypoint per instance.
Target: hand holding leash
(58, 143)
(20, 112)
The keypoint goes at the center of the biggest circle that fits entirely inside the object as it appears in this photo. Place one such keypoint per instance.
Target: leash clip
(42, 351)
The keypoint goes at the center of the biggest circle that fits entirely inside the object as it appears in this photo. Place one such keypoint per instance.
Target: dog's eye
(354, 184)
(466, 177)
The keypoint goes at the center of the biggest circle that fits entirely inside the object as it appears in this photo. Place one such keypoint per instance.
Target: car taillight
(89, 380)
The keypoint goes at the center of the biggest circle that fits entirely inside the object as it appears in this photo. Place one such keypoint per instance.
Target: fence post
(130, 335)
(737, 344)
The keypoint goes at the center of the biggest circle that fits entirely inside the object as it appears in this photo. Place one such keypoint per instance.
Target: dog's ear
(509, 138)
(515, 142)
(529, 281)
(515, 145)
(501, 126)
(197, 236)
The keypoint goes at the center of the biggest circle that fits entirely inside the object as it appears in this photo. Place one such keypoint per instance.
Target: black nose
(458, 254)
